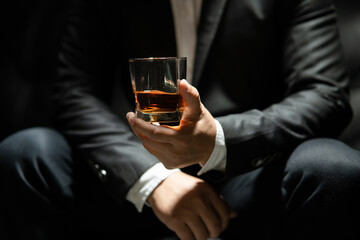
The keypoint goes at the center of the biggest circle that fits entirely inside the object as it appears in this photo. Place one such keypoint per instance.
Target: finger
(184, 232)
(192, 103)
(142, 137)
(163, 147)
(197, 227)
(153, 146)
(233, 214)
(211, 219)
(158, 149)
(222, 210)
(158, 133)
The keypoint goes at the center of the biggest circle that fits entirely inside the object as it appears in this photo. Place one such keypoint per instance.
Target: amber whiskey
(157, 101)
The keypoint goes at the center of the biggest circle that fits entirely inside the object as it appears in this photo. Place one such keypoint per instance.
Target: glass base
(162, 118)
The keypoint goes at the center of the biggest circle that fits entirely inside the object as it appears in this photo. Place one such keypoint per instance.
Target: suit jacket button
(257, 162)
(340, 103)
(268, 159)
(102, 174)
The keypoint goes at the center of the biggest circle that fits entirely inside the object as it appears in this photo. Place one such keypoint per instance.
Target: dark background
(30, 35)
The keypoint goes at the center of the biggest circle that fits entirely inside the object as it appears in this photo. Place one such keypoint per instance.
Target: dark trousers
(46, 193)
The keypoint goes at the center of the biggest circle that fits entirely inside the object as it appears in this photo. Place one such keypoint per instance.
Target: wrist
(212, 133)
(151, 200)
(217, 159)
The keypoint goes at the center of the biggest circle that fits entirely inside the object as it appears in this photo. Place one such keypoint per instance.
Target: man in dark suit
(256, 153)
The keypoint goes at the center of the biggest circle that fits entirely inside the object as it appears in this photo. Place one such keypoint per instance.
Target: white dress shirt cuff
(141, 190)
(217, 160)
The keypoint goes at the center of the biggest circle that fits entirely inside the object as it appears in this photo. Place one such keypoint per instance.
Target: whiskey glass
(155, 82)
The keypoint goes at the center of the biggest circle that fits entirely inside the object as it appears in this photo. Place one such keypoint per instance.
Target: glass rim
(152, 59)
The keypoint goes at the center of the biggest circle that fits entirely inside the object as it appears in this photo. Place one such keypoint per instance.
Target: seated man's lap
(316, 188)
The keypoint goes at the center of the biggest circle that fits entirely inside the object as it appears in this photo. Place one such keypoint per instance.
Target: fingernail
(130, 118)
(187, 84)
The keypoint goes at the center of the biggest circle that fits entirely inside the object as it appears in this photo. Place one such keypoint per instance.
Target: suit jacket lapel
(212, 11)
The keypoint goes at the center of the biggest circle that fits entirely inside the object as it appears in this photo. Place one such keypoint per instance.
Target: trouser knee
(36, 179)
(326, 161)
(37, 156)
(38, 143)
(322, 184)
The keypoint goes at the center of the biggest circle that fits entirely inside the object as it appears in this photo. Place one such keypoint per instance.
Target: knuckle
(195, 92)
(156, 132)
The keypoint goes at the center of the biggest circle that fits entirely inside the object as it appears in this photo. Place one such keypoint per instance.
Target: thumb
(191, 101)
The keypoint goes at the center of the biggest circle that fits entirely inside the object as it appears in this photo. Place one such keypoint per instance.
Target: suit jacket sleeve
(86, 71)
(315, 103)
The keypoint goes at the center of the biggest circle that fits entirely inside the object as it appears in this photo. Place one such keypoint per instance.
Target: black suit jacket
(270, 71)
